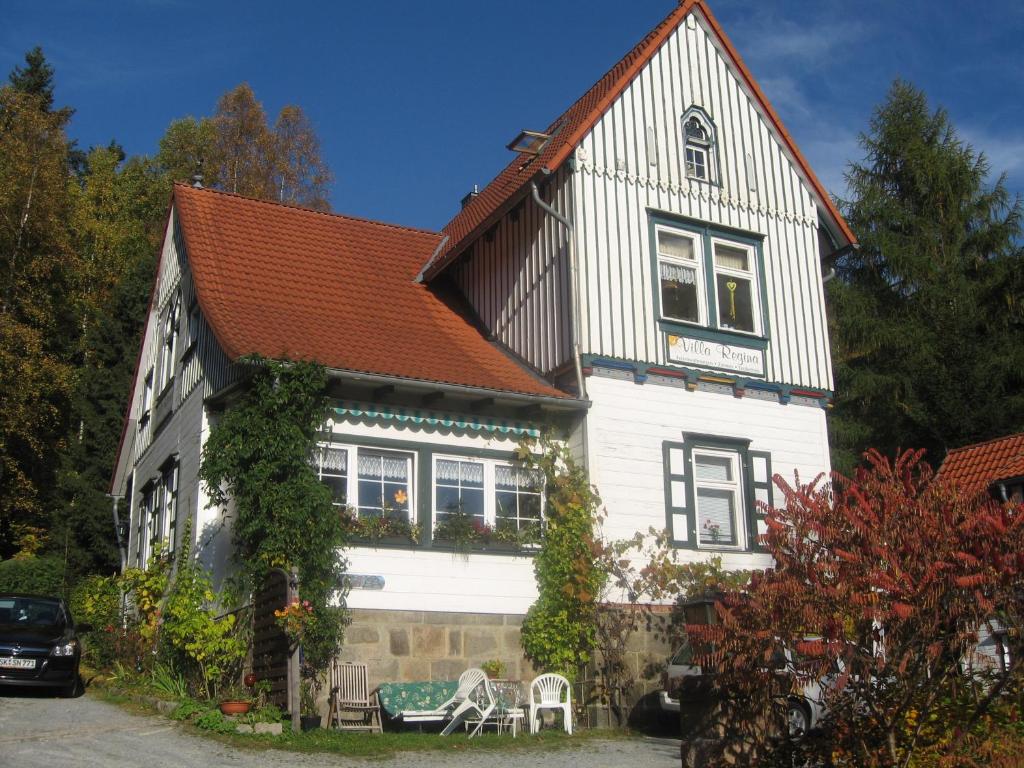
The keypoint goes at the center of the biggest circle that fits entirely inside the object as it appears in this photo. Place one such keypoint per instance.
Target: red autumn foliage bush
(897, 575)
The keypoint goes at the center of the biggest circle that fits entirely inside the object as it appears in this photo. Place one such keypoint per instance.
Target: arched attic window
(699, 146)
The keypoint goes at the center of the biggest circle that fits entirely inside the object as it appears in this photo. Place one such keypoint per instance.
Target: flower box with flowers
(463, 532)
(392, 528)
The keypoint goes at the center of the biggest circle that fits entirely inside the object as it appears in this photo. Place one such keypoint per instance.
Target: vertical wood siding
(619, 175)
(516, 278)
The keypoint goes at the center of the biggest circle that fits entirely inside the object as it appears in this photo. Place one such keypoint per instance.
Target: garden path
(38, 731)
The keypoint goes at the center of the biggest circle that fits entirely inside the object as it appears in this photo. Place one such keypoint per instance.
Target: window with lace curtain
(374, 482)
(707, 278)
(495, 493)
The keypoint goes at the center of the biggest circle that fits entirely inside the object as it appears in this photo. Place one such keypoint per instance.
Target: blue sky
(414, 101)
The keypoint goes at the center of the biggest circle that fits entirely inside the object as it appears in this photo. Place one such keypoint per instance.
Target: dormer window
(699, 145)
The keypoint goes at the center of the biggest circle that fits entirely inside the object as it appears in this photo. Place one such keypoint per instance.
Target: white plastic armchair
(465, 705)
(550, 691)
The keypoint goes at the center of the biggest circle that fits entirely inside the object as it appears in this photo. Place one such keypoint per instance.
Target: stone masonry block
(428, 642)
(463, 619)
(399, 642)
(414, 669)
(447, 669)
(477, 643)
(454, 642)
(361, 635)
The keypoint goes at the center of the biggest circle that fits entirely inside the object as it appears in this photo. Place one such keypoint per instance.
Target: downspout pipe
(835, 255)
(574, 288)
(122, 549)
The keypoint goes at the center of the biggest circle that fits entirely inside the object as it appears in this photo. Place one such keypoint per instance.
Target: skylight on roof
(529, 142)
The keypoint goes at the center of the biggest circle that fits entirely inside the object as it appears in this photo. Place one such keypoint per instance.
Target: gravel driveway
(37, 731)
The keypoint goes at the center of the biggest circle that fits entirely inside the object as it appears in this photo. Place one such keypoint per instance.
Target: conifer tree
(927, 318)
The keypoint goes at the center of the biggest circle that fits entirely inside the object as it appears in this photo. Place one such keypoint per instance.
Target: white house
(645, 276)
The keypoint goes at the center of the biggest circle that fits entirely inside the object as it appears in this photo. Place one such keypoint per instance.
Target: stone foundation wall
(433, 645)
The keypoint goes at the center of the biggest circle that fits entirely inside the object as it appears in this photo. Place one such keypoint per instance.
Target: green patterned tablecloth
(396, 698)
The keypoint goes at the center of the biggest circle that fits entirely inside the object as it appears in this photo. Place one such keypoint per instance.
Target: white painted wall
(619, 177)
(432, 580)
(628, 423)
(516, 278)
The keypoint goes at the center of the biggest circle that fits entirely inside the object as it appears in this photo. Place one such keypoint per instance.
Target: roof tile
(286, 282)
(976, 467)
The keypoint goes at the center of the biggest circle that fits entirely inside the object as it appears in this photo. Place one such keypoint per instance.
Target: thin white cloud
(1005, 154)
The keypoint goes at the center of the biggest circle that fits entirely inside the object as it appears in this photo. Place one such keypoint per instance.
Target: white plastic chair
(546, 692)
(468, 707)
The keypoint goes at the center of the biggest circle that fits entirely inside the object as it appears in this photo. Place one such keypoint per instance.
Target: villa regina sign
(714, 354)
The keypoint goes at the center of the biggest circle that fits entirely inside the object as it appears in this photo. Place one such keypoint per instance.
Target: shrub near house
(896, 574)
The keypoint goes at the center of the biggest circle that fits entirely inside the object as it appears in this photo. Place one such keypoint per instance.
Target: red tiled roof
(291, 283)
(570, 128)
(975, 467)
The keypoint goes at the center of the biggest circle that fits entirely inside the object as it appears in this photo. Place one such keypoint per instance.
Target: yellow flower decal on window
(401, 496)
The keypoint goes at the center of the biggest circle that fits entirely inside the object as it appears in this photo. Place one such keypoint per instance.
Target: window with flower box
(499, 500)
(372, 482)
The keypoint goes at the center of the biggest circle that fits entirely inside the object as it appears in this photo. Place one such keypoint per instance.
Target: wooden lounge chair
(350, 692)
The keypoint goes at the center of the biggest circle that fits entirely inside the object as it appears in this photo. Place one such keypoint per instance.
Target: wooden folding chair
(350, 692)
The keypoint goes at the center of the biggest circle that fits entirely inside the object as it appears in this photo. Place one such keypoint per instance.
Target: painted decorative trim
(657, 374)
(418, 417)
(716, 195)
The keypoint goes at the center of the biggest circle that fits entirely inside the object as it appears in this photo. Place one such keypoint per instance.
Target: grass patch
(366, 745)
(389, 744)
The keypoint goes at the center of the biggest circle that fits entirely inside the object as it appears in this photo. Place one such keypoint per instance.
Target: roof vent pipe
(470, 197)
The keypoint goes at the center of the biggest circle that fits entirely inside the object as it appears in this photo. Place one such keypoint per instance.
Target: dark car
(39, 643)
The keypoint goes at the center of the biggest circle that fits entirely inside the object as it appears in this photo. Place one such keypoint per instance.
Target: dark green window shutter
(761, 490)
(680, 520)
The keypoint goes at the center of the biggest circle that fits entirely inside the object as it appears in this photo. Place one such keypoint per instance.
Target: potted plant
(234, 700)
(494, 669)
(309, 717)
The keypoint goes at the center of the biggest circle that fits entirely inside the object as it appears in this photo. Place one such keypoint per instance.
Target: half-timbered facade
(645, 277)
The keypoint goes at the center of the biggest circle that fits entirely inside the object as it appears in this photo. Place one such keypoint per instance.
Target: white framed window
(332, 470)
(519, 497)
(169, 343)
(736, 289)
(681, 275)
(719, 498)
(167, 506)
(459, 488)
(499, 494)
(373, 482)
(146, 524)
(147, 398)
(193, 326)
(698, 146)
(708, 278)
(385, 483)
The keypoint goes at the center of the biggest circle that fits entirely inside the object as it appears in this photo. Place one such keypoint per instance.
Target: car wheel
(798, 721)
(69, 691)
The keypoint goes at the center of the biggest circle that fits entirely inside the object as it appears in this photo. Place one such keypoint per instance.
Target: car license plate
(11, 662)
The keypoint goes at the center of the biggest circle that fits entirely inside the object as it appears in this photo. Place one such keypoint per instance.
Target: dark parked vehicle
(39, 643)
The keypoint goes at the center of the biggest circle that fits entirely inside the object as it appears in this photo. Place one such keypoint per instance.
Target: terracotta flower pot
(234, 707)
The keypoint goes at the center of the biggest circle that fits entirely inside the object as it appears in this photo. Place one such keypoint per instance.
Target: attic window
(699, 145)
(529, 142)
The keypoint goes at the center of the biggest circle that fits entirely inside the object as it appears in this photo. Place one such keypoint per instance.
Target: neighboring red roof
(292, 283)
(570, 128)
(978, 466)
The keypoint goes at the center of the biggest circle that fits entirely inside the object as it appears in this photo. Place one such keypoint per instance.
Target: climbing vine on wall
(558, 632)
(258, 456)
